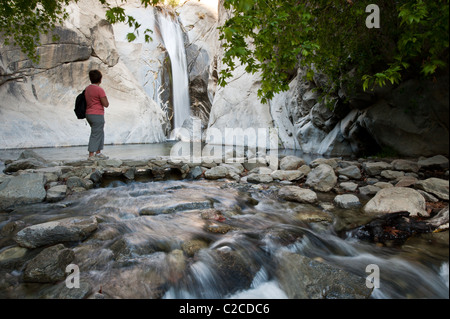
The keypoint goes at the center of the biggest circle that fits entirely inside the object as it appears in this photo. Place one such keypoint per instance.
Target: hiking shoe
(101, 156)
(92, 158)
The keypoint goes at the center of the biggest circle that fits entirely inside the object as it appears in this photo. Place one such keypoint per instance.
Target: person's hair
(95, 76)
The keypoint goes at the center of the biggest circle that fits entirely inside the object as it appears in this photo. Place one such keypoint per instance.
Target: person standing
(97, 101)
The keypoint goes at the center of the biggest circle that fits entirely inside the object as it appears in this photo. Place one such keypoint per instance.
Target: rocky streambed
(161, 228)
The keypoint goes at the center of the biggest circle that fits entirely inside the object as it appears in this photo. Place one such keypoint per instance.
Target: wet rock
(303, 278)
(375, 168)
(397, 199)
(191, 247)
(297, 194)
(174, 206)
(64, 230)
(49, 266)
(56, 193)
(436, 186)
(12, 257)
(22, 189)
(441, 219)
(261, 171)
(287, 175)
(392, 228)
(322, 178)
(351, 171)
(60, 291)
(291, 163)
(347, 201)
(217, 228)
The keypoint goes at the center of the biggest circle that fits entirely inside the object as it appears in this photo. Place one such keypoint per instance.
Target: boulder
(291, 163)
(369, 190)
(217, 172)
(22, 164)
(351, 171)
(347, 201)
(287, 175)
(64, 230)
(396, 200)
(405, 166)
(375, 168)
(436, 186)
(259, 178)
(23, 189)
(301, 277)
(322, 178)
(49, 266)
(297, 194)
(349, 186)
(438, 161)
(56, 193)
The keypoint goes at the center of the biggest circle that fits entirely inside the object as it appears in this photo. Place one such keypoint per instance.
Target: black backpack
(80, 106)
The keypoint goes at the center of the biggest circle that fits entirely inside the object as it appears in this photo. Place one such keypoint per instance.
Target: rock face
(38, 99)
(65, 230)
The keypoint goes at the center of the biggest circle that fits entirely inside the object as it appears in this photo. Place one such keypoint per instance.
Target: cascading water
(172, 37)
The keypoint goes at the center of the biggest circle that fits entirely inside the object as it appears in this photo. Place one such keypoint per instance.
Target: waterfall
(172, 37)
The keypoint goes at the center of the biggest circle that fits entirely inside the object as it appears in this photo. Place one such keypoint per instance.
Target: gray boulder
(297, 194)
(438, 161)
(287, 175)
(301, 277)
(217, 172)
(375, 168)
(396, 200)
(435, 186)
(56, 193)
(322, 178)
(22, 189)
(64, 230)
(347, 201)
(351, 171)
(291, 163)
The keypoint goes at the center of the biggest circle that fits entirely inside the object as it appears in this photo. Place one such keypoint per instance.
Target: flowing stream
(205, 239)
(173, 39)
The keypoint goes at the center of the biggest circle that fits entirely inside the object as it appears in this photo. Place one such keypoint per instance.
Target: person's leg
(97, 138)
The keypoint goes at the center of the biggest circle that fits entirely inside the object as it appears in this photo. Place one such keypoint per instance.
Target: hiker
(95, 115)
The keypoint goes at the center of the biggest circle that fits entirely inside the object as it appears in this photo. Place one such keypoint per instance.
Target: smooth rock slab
(64, 230)
(397, 200)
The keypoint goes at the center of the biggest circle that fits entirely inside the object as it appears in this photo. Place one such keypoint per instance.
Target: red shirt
(93, 95)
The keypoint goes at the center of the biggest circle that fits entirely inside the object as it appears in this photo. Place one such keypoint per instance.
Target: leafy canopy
(275, 37)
